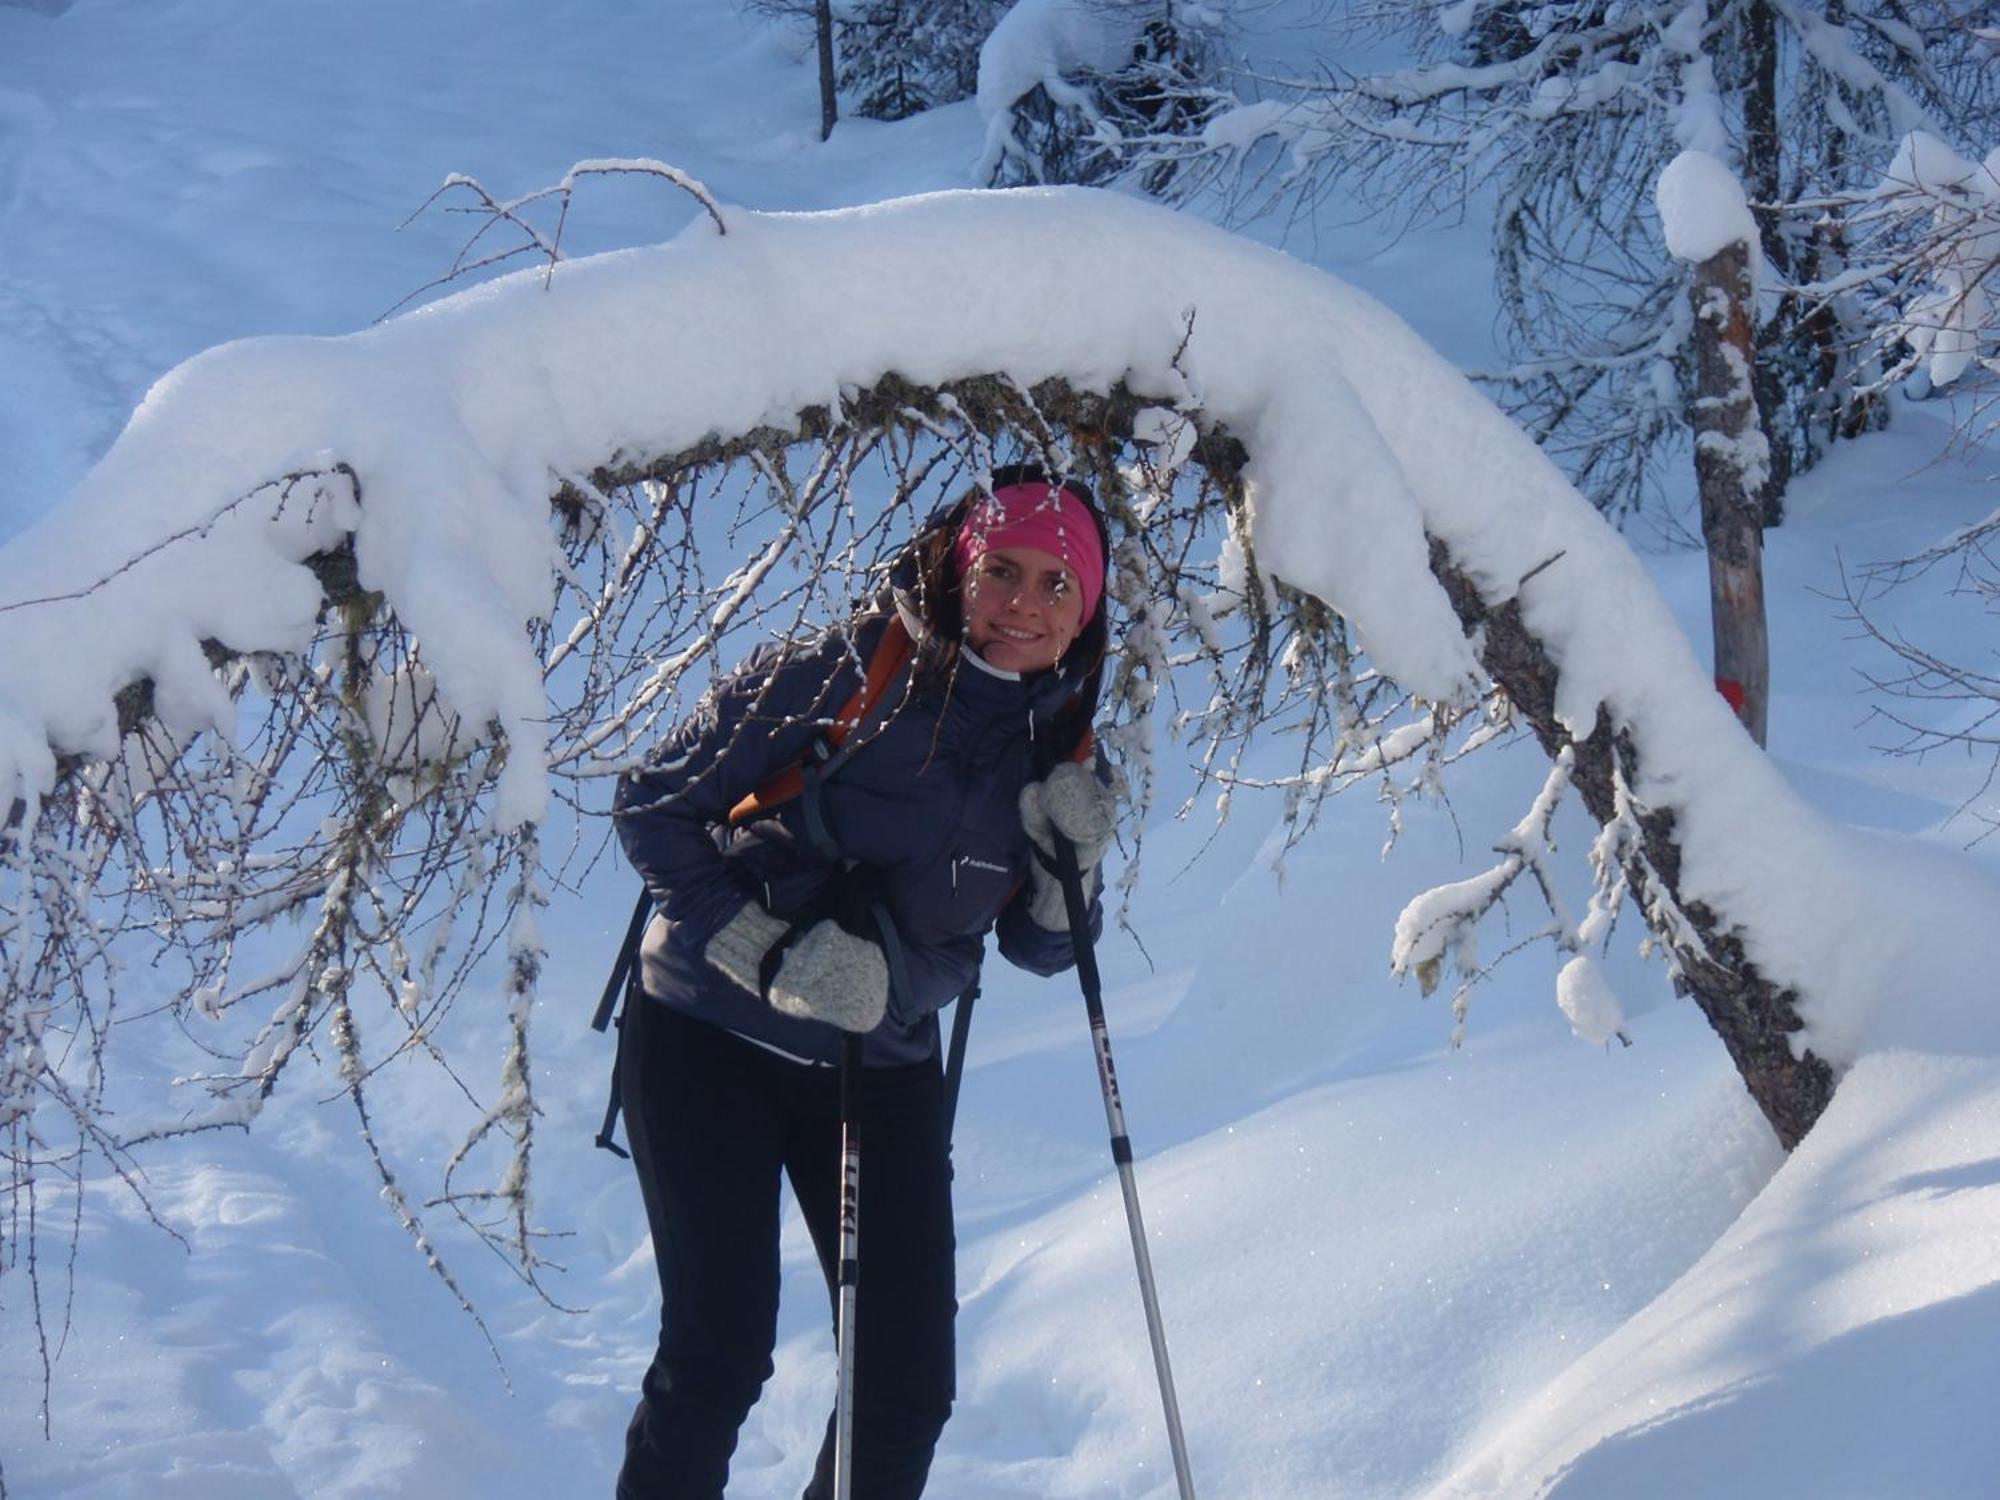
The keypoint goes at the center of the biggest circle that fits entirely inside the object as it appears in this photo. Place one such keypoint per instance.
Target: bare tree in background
(829, 101)
(1928, 262)
(1566, 113)
(820, 14)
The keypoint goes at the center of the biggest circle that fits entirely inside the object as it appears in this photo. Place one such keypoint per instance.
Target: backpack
(888, 666)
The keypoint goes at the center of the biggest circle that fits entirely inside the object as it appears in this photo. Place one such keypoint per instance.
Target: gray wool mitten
(738, 947)
(828, 974)
(831, 975)
(1073, 801)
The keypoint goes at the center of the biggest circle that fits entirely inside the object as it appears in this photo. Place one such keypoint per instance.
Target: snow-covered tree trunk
(1756, 1019)
(1710, 225)
(1728, 449)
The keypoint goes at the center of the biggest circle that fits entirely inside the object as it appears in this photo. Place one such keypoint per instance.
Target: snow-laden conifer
(1096, 90)
(900, 57)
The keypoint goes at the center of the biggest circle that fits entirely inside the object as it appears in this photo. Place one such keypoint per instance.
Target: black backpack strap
(624, 980)
(954, 1068)
(613, 1103)
(628, 956)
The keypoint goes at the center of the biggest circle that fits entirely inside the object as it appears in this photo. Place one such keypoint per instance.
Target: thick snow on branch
(1955, 206)
(1828, 46)
(1046, 44)
(1042, 41)
(1702, 209)
(456, 420)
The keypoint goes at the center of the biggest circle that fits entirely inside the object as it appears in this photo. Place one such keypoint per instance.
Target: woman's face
(1023, 608)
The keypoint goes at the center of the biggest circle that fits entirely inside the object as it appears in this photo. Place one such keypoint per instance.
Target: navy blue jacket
(929, 804)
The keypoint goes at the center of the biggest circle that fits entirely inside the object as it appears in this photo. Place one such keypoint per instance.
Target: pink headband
(1044, 516)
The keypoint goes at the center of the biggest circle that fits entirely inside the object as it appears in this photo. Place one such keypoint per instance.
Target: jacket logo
(983, 864)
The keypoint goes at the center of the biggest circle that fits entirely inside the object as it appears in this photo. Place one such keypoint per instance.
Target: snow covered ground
(1388, 1269)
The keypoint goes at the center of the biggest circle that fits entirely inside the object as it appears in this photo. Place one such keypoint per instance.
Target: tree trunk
(829, 107)
(1765, 187)
(1730, 462)
(1833, 342)
(1755, 1019)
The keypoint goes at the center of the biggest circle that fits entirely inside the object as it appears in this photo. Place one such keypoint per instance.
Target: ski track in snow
(302, 1397)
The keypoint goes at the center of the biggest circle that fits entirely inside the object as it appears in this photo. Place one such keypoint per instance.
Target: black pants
(712, 1121)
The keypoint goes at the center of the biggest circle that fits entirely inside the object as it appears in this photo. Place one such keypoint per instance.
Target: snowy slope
(1836, 1341)
(1528, 1267)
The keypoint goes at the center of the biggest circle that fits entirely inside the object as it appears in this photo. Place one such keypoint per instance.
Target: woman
(861, 905)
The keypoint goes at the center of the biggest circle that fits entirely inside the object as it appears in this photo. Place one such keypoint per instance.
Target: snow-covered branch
(476, 255)
(314, 760)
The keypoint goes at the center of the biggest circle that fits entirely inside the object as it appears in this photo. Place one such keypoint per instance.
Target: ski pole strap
(812, 800)
(775, 955)
(819, 764)
(892, 952)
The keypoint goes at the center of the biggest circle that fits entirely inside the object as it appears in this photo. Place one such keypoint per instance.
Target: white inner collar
(965, 650)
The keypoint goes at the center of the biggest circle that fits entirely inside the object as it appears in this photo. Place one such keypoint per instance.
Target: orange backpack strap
(889, 661)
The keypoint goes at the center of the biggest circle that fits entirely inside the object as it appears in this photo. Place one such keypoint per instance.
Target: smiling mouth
(1019, 637)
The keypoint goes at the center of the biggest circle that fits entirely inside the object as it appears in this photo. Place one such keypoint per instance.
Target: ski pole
(850, 1265)
(1121, 1146)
